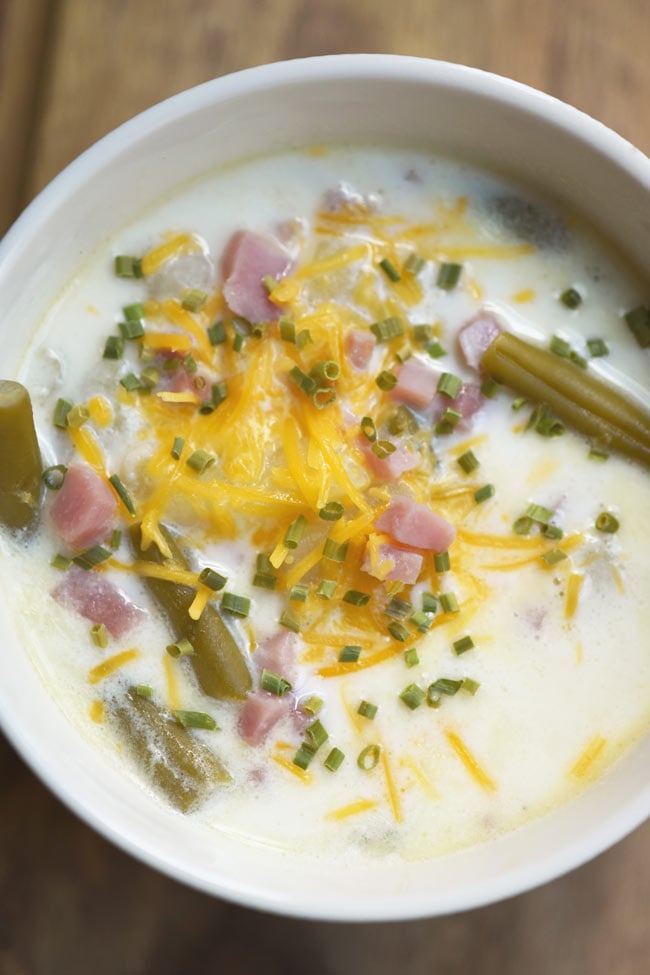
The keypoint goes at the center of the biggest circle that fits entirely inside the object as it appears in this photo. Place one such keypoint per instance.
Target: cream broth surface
(559, 651)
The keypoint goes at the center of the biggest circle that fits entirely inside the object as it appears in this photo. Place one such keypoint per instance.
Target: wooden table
(70, 70)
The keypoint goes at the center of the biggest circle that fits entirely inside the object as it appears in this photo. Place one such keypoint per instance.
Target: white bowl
(358, 98)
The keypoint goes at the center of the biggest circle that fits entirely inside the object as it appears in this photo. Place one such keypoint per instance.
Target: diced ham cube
(95, 598)
(359, 346)
(468, 402)
(406, 565)
(247, 260)
(278, 654)
(414, 524)
(84, 508)
(416, 384)
(259, 715)
(474, 338)
(389, 468)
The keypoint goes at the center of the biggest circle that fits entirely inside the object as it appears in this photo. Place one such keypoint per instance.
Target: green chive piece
(539, 513)
(116, 539)
(323, 396)
(334, 760)
(518, 403)
(414, 263)
(429, 603)
(131, 382)
(190, 364)
(356, 598)
(468, 462)
(463, 644)
(369, 757)
(446, 685)
(449, 385)
(335, 551)
(303, 381)
(367, 710)
(554, 556)
(218, 395)
(578, 360)
(60, 562)
(448, 276)
(607, 522)
(441, 561)
(327, 588)
(289, 621)
(149, 377)
(237, 342)
(316, 734)
(287, 330)
(124, 495)
(171, 365)
(304, 756)
(469, 686)
(78, 415)
(436, 350)
(597, 348)
(349, 655)
(560, 347)
(402, 421)
(134, 312)
(237, 605)
(448, 602)
(131, 330)
(490, 387)
(398, 609)
(114, 347)
(217, 333)
(638, 321)
(99, 635)
(212, 579)
(389, 269)
(127, 266)
(595, 453)
(298, 593)
(552, 531)
(182, 648)
(144, 690)
(422, 334)
(274, 683)
(413, 696)
(448, 422)
(196, 719)
(382, 449)
(294, 532)
(386, 380)
(313, 705)
(523, 525)
(193, 299)
(387, 329)
(411, 658)
(200, 460)
(325, 369)
(368, 428)
(53, 477)
(434, 698)
(91, 557)
(265, 580)
(177, 449)
(332, 511)
(269, 282)
(398, 631)
(420, 620)
(303, 338)
(571, 298)
(483, 493)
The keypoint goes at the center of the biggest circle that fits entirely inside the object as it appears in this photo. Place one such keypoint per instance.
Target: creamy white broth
(550, 688)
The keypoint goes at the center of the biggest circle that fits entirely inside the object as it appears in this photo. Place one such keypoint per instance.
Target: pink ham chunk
(475, 337)
(391, 468)
(95, 598)
(416, 384)
(84, 508)
(468, 402)
(259, 715)
(406, 564)
(278, 653)
(247, 260)
(414, 524)
(359, 346)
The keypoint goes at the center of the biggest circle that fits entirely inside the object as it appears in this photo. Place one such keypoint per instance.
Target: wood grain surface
(70, 70)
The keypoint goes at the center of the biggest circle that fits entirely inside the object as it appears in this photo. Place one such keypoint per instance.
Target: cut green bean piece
(218, 662)
(20, 458)
(177, 763)
(584, 402)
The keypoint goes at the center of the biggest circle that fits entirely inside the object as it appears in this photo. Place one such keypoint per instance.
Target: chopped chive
(78, 415)
(367, 710)
(287, 330)
(382, 449)
(469, 685)
(218, 395)
(127, 266)
(335, 551)
(356, 598)
(595, 453)
(144, 690)
(196, 719)
(468, 461)
(349, 655)
(323, 396)
(237, 605)
(131, 330)
(274, 683)
(334, 760)
(294, 532)
(269, 282)
(389, 269)
(182, 648)
(368, 428)
(212, 579)
(490, 387)
(303, 381)
(448, 421)
(332, 511)
(402, 421)
(60, 562)
(446, 685)
(398, 631)
(149, 377)
(386, 380)
(327, 588)
(449, 385)
(325, 369)
(549, 426)
(560, 347)
(552, 531)
(411, 658)
(303, 338)
(369, 757)
(53, 477)
(518, 403)
(99, 635)
(463, 644)
(523, 525)
(91, 557)
(578, 360)
(448, 276)
(317, 734)
(448, 602)
(200, 460)
(420, 620)
(134, 312)
(638, 321)
(131, 382)
(263, 562)
(265, 580)
(398, 609)
(597, 348)
(429, 603)
(190, 364)
(193, 299)
(422, 334)
(554, 556)
(217, 333)
(124, 495)
(237, 342)
(414, 263)
(304, 756)
(387, 329)
(313, 705)
(298, 593)
(434, 698)
(483, 493)
(289, 621)
(436, 350)
(171, 365)
(571, 298)
(539, 513)
(413, 696)
(441, 561)
(114, 347)
(607, 522)
(177, 448)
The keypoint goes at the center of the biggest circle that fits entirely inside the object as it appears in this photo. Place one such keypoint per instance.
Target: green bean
(583, 401)
(218, 662)
(20, 459)
(176, 761)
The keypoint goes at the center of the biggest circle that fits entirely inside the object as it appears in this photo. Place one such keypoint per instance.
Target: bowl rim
(350, 67)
